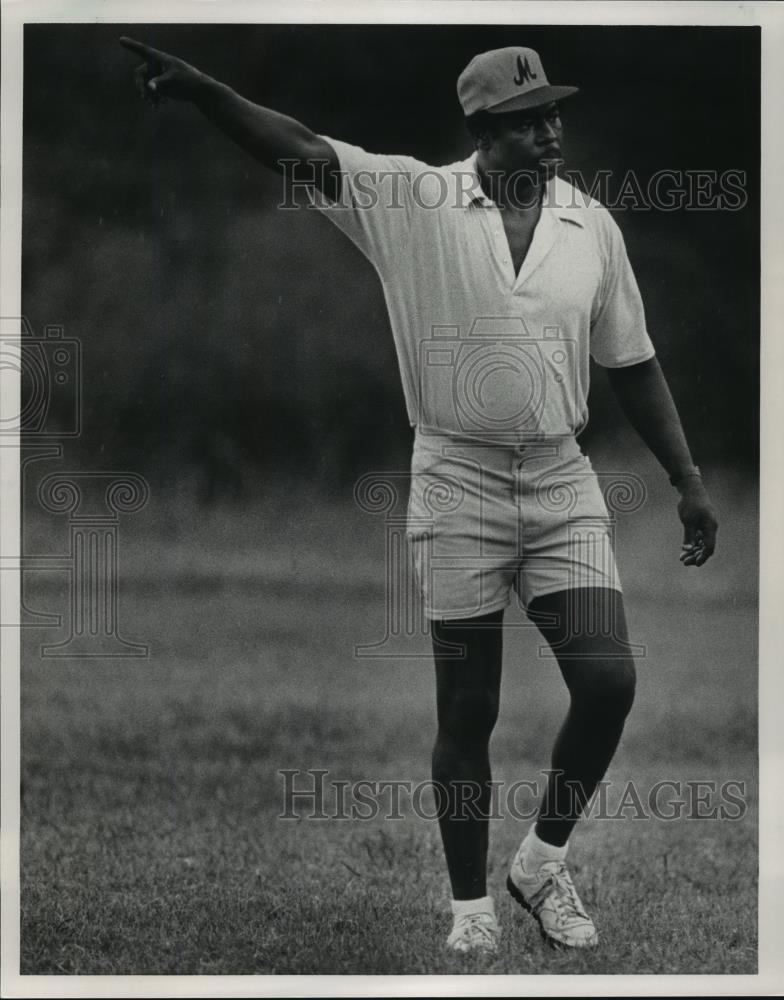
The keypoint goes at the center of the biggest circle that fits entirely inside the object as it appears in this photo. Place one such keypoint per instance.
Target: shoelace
(478, 922)
(564, 897)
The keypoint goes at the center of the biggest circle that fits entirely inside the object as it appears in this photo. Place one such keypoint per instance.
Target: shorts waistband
(495, 453)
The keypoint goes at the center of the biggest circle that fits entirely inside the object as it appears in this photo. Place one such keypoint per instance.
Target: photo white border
(770, 15)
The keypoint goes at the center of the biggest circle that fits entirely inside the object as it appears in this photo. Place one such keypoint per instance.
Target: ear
(482, 140)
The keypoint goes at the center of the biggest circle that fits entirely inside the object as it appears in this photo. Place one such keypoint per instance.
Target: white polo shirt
(485, 352)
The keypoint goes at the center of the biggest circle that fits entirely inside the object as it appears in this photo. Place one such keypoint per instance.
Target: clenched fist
(161, 76)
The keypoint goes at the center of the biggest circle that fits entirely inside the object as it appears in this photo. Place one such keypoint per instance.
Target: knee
(623, 686)
(606, 691)
(468, 718)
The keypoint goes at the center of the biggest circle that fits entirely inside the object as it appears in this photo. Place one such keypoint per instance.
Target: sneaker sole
(482, 949)
(552, 942)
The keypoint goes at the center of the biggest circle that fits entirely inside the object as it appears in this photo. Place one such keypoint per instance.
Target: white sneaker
(549, 895)
(474, 932)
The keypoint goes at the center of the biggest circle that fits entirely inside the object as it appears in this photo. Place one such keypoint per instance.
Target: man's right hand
(161, 76)
(271, 138)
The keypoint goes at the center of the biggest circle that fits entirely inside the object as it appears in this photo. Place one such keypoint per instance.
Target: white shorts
(484, 520)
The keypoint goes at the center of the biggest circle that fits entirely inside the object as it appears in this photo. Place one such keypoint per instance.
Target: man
(501, 279)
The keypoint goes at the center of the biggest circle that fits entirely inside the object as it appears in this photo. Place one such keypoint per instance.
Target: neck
(516, 190)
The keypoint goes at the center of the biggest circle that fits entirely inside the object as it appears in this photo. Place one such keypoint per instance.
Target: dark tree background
(225, 338)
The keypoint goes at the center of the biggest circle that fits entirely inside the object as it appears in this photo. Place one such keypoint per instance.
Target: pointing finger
(141, 49)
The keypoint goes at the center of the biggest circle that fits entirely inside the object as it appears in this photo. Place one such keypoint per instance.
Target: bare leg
(467, 693)
(599, 671)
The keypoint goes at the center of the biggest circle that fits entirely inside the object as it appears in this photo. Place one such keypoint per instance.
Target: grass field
(151, 842)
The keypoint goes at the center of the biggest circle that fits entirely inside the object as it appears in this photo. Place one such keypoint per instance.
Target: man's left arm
(645, 398)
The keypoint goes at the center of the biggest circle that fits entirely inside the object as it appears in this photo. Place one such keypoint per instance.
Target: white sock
(535, 852)
(462, 907)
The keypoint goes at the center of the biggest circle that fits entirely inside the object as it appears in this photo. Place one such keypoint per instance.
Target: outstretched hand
(161, 76)
(699, 526)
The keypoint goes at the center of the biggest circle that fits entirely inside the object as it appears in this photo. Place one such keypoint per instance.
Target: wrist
(687, 479)
(206, 90)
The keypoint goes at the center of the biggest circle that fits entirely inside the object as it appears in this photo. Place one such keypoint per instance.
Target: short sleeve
(375, 205)
(619, 336)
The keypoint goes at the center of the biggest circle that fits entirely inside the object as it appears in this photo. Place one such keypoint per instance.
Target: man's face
(528, 141)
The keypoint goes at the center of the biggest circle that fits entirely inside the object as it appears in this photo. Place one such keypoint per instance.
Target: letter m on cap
(524, 72)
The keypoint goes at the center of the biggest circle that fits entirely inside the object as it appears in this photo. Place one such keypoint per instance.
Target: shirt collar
(469, 190)
(560, 196)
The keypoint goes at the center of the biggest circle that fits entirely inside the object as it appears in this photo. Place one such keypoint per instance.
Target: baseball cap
(510, 79)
